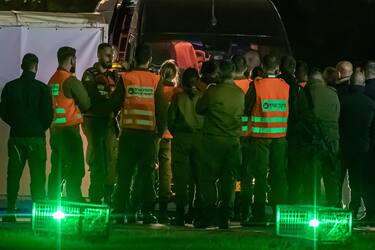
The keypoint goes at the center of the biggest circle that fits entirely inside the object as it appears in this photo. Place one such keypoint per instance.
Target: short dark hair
(143, 54)
(257, 72)
(103, 46)
(288, 63)
(239, 63)
(227, 69)
(270, 62)
(209, 68)
(188, 77)
(331, 75)
(64, 53)
(29, 61)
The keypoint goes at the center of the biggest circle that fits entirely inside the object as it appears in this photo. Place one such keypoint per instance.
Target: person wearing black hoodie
(357, 115)
(26, 106)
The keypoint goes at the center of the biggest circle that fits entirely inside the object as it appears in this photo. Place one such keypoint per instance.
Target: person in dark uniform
(26, 106)
(222, 107)
(99, 126)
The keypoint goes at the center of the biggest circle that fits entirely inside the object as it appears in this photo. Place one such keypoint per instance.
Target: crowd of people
(269, 128)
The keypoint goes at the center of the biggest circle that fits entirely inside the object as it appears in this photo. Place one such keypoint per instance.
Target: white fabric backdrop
(44, 42)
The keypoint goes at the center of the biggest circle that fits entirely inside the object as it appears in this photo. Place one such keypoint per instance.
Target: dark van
(219, 28)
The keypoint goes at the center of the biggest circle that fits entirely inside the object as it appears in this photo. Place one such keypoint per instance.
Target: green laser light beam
(58, 215)
(314, 223)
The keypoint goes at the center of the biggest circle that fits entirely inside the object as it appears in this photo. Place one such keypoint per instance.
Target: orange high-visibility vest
(269, 116)
(138, 110)
(66, 112)
(169, 92)
(244, 84)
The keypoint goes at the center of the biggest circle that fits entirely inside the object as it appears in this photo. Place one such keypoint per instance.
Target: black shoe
(149, 218)
(164, 218)
(246, 222)
(189, 218)
(178, 221)
(224, 224)
(131, 218)
(367, 221)
(9, 218)
(255, 222)
(200, 224)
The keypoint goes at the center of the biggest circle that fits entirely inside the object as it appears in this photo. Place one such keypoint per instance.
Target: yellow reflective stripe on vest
(138, 112)
(245, 128)
(60, 111)
(244, 118)
(259, 130)
(144, 122)
(55, 89)
(269, 119)
(138, 122)
(60, 120)
(274, 105)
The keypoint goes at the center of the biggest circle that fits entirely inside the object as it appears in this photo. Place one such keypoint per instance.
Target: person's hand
(125, 65)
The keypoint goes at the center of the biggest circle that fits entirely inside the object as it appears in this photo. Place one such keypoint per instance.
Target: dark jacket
(182, 117)
(222, 107)
(370, 88)
(99, 90)
(342, 88)
(293, 93)
(370, 92)
(357, 114)
(325, 112)
(26, 106)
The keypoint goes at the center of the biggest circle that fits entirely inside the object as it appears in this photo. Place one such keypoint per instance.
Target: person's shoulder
(12, 83)
(89, 74)
(40, 84)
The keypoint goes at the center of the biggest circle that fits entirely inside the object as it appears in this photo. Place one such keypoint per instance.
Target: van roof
(257, 20)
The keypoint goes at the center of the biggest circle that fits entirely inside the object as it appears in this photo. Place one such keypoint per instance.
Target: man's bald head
(370, 70)
(358, 78)
(252, 59)
(345, 68)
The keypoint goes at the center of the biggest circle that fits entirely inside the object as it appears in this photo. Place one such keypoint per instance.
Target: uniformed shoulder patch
(89, 74)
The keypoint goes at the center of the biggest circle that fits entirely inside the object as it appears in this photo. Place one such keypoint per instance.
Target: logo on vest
(138, 91)
(274, 105)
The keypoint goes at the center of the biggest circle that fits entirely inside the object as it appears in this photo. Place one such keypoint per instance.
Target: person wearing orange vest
(267, 105)
(100, 127)
(143, 122)
(69, 99)
(245, 179)
(168, 73)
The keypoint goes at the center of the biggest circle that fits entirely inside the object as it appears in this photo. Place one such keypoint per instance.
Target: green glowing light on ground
(58, 215)
(314, 223)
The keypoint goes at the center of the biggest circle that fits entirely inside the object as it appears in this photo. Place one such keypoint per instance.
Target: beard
(73, 69)
(106, 65)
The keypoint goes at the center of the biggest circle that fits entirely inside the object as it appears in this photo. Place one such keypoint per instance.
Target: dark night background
(321, 32)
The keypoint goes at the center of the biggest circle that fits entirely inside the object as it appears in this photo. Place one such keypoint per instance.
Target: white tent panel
(43, 39)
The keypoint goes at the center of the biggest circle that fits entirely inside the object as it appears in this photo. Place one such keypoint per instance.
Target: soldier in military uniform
(100, 126)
